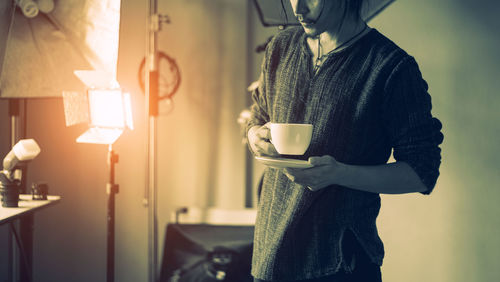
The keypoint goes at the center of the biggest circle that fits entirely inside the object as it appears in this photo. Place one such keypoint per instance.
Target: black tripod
(111, 190)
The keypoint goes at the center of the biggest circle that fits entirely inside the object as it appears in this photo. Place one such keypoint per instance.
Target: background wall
(448, 236)
(453, 234)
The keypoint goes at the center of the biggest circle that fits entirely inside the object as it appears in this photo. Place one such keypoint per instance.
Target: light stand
(152, 96)
(108, 112)
(111, 189)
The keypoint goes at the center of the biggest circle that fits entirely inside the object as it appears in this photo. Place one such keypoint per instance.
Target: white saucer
(283, 162)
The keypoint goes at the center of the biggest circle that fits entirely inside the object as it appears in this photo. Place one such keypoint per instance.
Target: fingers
(296, 175)
(323, 160)
(260, 141)
(265, 148)
(299, 176)
(264, 133)
(289, 173)
(317, 177)
(302, 176)
(315, 188)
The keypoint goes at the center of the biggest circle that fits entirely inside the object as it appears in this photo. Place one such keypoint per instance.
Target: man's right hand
(259, 138)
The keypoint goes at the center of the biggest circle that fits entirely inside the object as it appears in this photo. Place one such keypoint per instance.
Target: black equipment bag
(207, 253)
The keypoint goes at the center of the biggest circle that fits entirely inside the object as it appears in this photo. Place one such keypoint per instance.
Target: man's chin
(311, 32)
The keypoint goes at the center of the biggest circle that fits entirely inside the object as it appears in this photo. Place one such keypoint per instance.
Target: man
(365, 97)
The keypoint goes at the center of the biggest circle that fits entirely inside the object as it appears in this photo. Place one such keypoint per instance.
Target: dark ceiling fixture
(279, 12)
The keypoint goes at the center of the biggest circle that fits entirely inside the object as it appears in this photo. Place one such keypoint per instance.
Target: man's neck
(333, 38)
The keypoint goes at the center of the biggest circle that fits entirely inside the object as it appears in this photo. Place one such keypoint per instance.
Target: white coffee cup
(291, 138)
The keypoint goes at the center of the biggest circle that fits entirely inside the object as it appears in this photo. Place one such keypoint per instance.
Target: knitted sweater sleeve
(415, 134)
(258, 109)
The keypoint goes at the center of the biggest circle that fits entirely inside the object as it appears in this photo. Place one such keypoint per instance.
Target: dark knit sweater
(364, 101)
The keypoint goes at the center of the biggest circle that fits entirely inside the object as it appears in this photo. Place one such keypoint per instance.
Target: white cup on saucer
(291, 138)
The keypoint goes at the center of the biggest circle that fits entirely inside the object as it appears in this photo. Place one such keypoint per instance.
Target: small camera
(39, 191)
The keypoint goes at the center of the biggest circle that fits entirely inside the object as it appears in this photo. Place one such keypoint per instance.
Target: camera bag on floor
(206, 253)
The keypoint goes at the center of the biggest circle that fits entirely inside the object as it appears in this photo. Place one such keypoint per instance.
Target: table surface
(26, 205)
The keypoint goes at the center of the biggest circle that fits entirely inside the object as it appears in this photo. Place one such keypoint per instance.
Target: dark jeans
(364, 271)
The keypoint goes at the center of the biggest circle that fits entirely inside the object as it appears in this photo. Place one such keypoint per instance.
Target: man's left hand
(325, 172)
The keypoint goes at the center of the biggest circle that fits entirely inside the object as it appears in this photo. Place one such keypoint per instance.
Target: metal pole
(12, 272)
(151, 89)
(111, 190)
(152, 207)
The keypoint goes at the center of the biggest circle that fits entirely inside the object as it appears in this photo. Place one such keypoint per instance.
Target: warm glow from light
(128, 110)
(106, 108)
(97, 135)
(110, 111)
